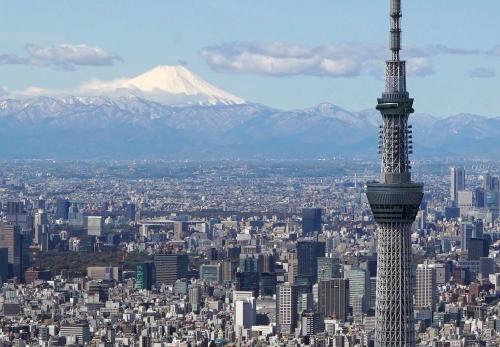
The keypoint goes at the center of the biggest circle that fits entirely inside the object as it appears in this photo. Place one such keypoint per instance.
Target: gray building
(170, 267)
(333, 298)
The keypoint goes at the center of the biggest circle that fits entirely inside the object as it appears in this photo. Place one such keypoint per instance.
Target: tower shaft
(394, 203)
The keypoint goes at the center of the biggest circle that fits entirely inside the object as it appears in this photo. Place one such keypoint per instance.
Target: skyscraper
(145, 273)
(170, 267)
(395, 202)
(359, 286)
(12, 239)
(328, 268)
(457, 182)
(425, 293)
(62, 209)
(333, 298)
(311, 220)
(286, 308)
(308, 252)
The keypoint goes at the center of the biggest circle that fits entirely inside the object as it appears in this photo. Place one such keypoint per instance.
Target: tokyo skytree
(394, 202)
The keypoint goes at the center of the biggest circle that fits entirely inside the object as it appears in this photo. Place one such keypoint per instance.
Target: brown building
(12, 239)
(31, 275)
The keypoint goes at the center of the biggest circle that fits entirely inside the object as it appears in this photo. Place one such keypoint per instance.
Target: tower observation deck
(394, 202)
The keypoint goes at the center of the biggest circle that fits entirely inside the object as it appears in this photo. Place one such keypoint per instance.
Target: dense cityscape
(157, 253)
(123, 222)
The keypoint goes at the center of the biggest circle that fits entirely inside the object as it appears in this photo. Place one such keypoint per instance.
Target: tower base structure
(394, 208)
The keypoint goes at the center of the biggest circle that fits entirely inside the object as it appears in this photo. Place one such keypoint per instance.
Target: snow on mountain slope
(166, 84)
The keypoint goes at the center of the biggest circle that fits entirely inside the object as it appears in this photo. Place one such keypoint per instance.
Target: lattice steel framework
(395, 202)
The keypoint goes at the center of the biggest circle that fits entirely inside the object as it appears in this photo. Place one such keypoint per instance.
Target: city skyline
(329, 56)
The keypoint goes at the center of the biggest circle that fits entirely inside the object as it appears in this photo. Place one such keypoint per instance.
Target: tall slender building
(457, 182)
(394, 202)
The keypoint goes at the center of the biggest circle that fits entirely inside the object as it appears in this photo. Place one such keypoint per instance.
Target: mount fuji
(166, 84)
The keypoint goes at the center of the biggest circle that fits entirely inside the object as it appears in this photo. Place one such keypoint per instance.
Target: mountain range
(169, 112)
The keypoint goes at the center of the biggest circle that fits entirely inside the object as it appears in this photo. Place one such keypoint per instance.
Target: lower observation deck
(394, 203)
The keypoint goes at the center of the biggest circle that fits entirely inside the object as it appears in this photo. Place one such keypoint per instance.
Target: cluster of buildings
(219, 278)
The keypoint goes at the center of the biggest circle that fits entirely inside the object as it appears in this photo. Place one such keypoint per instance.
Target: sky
(286, 54)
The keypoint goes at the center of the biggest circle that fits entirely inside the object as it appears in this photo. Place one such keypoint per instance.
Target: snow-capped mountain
(166, 84)
(169, 112)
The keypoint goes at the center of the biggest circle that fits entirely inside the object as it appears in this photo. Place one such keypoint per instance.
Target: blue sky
(282, 53)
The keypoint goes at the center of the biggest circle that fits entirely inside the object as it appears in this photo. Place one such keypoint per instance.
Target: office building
(244, 314)
(477, 248)
(248, 281)
(311, 323)
(359, 285)
(311, 221)
(194, 296)
(268, 282)
(466, 230)
(211, 273)
(78, 333)
(130, 212)
(41, 225)
(457, 182)
(333, 298)
(425, 292)
(106, 273)
(12, 239)
(286, 308)
(95, 225)
(145, 275)
(170, 267)
(328, 268)
(308, 252)
(62, 209)
(4, 265)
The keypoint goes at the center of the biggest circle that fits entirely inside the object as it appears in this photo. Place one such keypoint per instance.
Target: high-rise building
(328, 268)
(395, 202)
(267, 283)
(170, 267)
(359, 286)
(286, 308)
(4, 265)
(211, 273)
(78, 334)
(477, 248)
(194, 295)
(248, 281)
(95, 225)
(333, 298)
(487, 182)
(425, 293)
(457, 182)
(130, 212)
(244, 314)
(466, 229)
(145, 275)
(308, 252)
(12, 239)
(62, 209)
(312, 323)
(373, 293)
(41, 225)
(311, 221)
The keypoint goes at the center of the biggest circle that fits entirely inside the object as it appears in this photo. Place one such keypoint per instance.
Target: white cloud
(419, 66)
(336, 60)
(66, 56)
